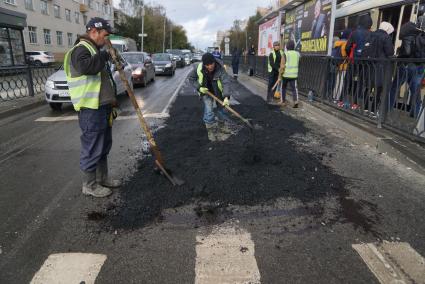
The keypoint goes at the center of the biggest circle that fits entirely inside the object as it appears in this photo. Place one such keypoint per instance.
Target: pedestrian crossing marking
(124, 117)
(393, 262)
(226, 255)
(64, 268)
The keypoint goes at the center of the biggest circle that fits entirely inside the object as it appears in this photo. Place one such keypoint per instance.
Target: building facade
(53, 25)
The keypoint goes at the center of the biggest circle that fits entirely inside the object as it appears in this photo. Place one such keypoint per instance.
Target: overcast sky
(203, 18)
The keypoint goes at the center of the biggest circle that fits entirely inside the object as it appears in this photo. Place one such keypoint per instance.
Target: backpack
(419, 46)
(372, 46)
(336, 52)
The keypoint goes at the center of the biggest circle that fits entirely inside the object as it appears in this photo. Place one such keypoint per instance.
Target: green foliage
(154, 26)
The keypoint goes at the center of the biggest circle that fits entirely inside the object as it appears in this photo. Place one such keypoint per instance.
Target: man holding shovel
(210, 76)
(93, 94)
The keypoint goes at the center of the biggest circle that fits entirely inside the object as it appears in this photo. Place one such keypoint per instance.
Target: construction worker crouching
(210, 76)
(93, 94)
(288, 72)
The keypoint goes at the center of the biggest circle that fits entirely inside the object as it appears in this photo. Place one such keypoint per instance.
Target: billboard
(309, 26)
(268, 33)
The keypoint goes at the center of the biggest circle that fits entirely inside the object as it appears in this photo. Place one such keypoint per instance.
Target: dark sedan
(143, 69)
(164, 63)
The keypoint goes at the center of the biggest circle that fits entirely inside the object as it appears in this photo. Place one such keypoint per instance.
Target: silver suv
(39, 58)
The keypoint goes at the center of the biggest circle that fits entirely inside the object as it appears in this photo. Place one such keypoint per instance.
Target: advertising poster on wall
(309, 26)
(269, 32)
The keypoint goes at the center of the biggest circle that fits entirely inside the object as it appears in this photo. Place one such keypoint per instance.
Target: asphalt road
(44, 217)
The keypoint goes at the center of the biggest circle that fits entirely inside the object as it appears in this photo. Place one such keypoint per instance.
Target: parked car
(164, 63)
(40, 58)
(178, 56)
(57, 92)
(143, 68)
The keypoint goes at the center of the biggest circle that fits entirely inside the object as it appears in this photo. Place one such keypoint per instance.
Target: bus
(395, 12)
(123, 44)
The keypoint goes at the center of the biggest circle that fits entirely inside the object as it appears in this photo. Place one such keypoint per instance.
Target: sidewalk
(409, 153)
(11, 107)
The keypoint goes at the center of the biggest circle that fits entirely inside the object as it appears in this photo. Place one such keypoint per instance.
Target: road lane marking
(176, 92)
(226, 255)
(70, 268)
(124, 117)
(393, 262)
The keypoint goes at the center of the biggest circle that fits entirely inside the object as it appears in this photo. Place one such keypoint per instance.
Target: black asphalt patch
(239, 171)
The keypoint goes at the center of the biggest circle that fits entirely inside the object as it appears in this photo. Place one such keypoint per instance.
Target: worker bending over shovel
(210, 76)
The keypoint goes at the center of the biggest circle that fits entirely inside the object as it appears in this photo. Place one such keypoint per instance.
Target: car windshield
(161, 57)
(134, 58)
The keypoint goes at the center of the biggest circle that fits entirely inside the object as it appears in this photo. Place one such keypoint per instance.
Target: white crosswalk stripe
(393, 262)
(64, 268)
(226, 255)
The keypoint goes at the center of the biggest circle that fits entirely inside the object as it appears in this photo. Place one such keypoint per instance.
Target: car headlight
(168, 65)
(50, 84)
(138, 71)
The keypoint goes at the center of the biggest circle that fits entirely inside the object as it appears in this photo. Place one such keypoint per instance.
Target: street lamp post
(142, 12)
(163, 42)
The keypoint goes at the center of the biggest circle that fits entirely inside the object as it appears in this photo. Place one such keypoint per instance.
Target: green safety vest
(85, 89)
(292, 60)
(201, 78)
(274, 59)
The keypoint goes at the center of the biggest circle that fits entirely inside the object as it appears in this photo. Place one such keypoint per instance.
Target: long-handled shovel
(153, 146)
(231, 110)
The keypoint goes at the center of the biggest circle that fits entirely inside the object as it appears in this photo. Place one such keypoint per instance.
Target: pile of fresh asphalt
(235, 171)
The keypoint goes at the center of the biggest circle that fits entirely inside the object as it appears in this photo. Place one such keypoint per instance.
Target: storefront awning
(12, 19)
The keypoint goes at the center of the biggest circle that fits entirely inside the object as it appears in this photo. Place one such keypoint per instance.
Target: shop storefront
(12, 48)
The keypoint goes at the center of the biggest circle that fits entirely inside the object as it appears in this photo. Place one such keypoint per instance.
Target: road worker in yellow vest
(288, 72)
(210, 76)
(92, 91)
(273, 68)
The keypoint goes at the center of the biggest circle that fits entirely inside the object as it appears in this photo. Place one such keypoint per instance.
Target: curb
(20, 109)
(397, 147)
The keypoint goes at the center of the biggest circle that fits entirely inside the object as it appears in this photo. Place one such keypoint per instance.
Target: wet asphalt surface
(305, 194)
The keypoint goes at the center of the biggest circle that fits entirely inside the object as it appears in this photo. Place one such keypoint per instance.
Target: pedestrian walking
(412, 36)
(340, 55)
(217, 53)
(210, 76)
(93, 94)
(251, 59)
(288, 72)
(236, 55)
(274, 61)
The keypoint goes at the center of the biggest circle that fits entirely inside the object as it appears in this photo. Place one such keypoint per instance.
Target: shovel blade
(169, 175)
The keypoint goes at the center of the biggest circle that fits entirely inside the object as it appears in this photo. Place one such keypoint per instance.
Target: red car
(143, 68)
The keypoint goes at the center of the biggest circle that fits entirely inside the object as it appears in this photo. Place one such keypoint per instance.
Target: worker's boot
(212, 131)
(91, 187)
(223, 132)
(102, 176)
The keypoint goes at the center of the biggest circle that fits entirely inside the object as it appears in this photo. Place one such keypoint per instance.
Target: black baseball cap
(208, 59)
(100, 24)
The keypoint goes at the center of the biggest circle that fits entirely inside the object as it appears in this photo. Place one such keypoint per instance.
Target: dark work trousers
(272, 80)
(96, 137)
(293, 84)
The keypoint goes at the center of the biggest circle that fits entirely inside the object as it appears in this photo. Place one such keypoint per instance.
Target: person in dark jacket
(358, 37)
(236, 55)
(412, 46)
(251, 59)
(273, 68)
(93, 95)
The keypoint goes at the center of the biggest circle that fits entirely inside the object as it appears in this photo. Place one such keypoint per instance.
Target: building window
(57, 11)
(70, 41)
(68, 15)
(59, 39)
(29, 5)
(77, 17)
(98, 6)
(32, 32)
(85, 19)
(47, 36)
(43, 7)
(91, 4)
(11, 2)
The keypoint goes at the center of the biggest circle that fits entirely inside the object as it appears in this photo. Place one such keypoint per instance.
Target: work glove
(226, 102)
(203, 91)
(113, 116)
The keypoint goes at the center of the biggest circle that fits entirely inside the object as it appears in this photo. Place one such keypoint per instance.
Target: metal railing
(387, 92)
(23, 81)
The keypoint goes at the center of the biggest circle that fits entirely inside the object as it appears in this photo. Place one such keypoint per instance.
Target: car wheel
(56, 106)
(38, 63)
(153, 78)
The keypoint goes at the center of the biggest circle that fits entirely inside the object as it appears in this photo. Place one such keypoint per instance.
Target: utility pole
(171, 35)
(143, 24)
(163, 42)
